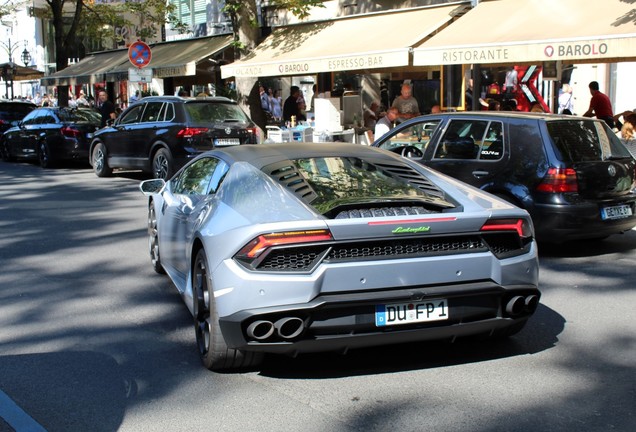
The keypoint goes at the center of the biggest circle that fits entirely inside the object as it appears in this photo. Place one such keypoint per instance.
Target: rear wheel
(213, 350)
(153, 240)
(44, 155)
(100, 163)
(162, 165)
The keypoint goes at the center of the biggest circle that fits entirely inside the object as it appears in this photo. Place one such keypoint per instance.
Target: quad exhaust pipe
(290, 327)
(520, 304)
(285, 328)
(260, 330)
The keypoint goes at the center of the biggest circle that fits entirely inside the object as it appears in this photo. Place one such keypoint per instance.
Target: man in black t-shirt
(290, 107)
(106, 108)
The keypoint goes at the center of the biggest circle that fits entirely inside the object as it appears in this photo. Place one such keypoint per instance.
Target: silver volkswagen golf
(300, 247)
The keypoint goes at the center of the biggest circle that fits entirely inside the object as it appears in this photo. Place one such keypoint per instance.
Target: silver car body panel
(249, 203)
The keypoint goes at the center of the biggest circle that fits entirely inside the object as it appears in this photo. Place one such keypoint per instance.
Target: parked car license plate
(616, 212)
(408, 313)
(227, 142)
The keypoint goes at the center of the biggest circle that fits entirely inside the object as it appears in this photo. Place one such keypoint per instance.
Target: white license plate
(227, 142)
(408, 313)
(616, 212)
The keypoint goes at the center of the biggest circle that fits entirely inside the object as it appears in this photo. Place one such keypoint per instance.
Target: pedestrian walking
(106, 108)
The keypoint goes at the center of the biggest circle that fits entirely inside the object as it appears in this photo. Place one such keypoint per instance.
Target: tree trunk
(63, 41)
(246, 35)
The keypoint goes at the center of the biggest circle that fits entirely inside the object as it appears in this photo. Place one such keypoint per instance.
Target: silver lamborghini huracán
(300, 247)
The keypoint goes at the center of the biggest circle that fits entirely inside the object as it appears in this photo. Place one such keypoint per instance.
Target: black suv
(160, 134)
(572, 174)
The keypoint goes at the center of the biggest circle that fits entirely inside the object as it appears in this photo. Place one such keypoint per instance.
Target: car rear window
(12, 112)
(584, 141)
(215, 112)
(340, 180)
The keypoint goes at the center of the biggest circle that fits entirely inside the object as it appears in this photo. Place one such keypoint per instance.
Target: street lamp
(26, 57)
(9, 70)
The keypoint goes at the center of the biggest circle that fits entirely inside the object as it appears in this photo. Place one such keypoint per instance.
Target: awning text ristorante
(534, 31)
(598, 49)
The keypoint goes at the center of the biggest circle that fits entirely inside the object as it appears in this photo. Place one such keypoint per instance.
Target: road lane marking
(16, 417)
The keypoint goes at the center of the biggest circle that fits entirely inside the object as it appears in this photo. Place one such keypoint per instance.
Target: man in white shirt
(386, 123)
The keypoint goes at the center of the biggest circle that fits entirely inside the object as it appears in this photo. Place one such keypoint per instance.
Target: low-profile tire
(162, 164)
(100, 162)
(153, 240)
(44, 155)
(213, 350)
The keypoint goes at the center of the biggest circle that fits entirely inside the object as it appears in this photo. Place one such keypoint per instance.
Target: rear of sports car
(372, 250)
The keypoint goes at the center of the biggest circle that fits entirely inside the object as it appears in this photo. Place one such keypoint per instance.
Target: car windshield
(215, 112)
(343, 180)
(79, 116)
(585, 141)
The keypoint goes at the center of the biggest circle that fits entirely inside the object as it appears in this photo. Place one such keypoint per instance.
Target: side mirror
(151, 187)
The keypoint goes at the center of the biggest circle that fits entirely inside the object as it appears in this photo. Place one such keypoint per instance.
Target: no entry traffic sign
(139, 54)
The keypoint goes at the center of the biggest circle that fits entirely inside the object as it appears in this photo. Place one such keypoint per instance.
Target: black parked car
(160, 134)
(52, 134)
(11, 112)
(573, 175)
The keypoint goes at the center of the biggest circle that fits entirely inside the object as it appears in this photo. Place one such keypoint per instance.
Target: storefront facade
(191, 64)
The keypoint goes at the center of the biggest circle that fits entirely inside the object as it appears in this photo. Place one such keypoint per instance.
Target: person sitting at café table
(406, 104)
(386, 123)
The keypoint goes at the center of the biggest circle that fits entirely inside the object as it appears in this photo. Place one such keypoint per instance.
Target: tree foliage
(75, 20)
(242, 14)
(146, 16)
(9, 7)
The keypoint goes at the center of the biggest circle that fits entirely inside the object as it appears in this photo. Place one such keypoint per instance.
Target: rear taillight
(559, 180)
(70, 132)
(261, 243)
(521, 226)
(189, 132)
(253, 131)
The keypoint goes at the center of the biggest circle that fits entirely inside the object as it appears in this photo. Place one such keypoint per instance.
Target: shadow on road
(618, 243)
(82, 380)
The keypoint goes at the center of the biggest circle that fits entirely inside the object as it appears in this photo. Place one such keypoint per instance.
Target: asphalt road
(91, 339)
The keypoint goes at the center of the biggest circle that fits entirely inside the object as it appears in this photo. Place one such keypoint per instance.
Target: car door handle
(480, 173)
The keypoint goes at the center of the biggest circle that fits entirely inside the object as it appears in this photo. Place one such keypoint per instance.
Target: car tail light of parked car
(559, 180)
(189, 132)
(70, 132)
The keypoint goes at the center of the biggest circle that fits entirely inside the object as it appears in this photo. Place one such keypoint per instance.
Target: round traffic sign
(139, 54)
